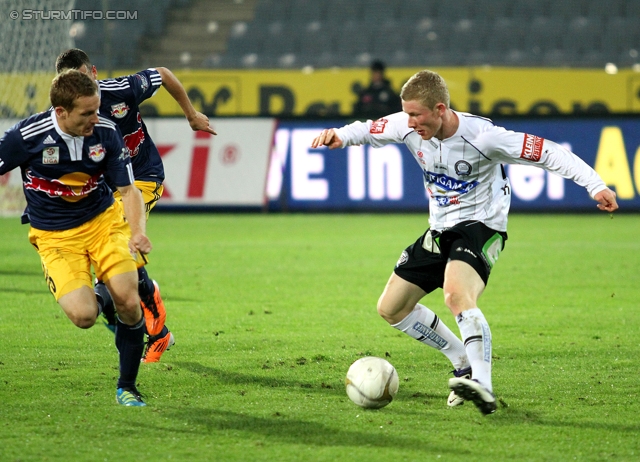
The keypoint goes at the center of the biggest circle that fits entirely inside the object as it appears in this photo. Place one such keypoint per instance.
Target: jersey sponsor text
(532, 148)
(377, 126)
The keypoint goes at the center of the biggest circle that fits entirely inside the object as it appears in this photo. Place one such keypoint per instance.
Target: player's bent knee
(384, 314)
(383, 309)
(458, 301)
(83, 321)
(129, 315)
(129, 306)
(451, 299)
(391, 312)
(79, 305)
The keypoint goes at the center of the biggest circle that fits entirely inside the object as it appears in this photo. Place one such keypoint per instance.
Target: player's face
(82, 118)
(426, 122)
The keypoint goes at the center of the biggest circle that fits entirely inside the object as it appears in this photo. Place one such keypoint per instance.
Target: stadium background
(283, 69)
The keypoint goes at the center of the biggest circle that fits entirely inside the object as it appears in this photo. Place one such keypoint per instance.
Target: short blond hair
(427, 88)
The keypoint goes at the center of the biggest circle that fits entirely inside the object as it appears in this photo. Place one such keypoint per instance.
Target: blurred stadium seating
(349, 33)
(117, 43)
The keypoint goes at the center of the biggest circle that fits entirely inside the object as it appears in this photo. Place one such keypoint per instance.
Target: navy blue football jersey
(63, 175)
(120, 100)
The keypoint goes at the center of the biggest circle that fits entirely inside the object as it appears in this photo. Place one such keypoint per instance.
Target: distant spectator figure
(378, 99)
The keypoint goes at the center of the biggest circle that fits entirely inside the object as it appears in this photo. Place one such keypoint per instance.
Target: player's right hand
(606, 200)
(328, 138)
(201, 122)
(140, 243)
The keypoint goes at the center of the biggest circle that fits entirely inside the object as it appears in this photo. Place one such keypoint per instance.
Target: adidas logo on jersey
(49, 140)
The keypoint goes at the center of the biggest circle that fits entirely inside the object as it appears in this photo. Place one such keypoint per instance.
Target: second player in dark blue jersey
(120, 102)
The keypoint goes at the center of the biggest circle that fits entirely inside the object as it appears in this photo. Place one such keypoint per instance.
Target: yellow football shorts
(67, 256)
(151, 193)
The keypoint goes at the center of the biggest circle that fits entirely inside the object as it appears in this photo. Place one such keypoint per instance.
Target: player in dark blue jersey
(63, 155)
(119, 101)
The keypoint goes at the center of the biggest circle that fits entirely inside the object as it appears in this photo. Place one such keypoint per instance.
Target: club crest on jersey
(119, 110)
(463, 167)
(96, 152)
(51, 155)
(377, 126)
(404, 257)
(532, 148)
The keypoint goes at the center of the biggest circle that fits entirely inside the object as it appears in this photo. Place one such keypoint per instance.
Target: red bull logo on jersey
(96, 153)
(532, 148)
(71, 187)
(134, 140)
(119, 110)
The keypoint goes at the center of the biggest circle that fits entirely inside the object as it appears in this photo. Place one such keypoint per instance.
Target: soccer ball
(372, 382)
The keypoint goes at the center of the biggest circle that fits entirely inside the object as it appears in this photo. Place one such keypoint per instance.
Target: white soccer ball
(372, 382)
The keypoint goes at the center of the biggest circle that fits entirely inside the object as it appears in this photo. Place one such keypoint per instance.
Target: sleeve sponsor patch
(377, 126)
(144, 83)
(532, 148)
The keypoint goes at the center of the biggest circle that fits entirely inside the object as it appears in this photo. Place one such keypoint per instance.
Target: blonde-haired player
(461, 157)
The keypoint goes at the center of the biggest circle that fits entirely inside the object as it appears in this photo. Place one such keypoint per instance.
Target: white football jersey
(464, 174)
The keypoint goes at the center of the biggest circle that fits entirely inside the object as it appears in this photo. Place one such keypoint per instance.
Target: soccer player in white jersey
(461, 157)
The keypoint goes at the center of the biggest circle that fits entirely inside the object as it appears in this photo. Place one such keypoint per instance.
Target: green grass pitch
(269, 311)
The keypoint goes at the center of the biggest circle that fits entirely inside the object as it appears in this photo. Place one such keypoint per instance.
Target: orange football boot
(154, 312)
(155, 348)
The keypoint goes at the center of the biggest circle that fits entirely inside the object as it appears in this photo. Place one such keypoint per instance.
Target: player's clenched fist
(140, 243)
(327, 138)
(606, 200)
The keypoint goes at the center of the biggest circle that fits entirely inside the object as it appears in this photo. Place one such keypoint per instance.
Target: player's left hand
(201, 122)
(140, 243)
(606, 200)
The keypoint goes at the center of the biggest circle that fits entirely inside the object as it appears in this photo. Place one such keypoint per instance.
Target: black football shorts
(423, 262)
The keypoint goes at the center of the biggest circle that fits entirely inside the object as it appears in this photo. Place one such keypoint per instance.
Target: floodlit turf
(269, 311)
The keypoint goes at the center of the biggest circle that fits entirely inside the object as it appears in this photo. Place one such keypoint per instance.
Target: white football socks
(477, 341)
(423, 325)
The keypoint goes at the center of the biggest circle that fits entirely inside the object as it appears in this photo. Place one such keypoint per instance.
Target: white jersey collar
(74, 143)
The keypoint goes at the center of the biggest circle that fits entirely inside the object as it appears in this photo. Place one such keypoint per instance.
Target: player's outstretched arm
(606, 200)
(134, 212)
(328, 138)
(197, 120)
